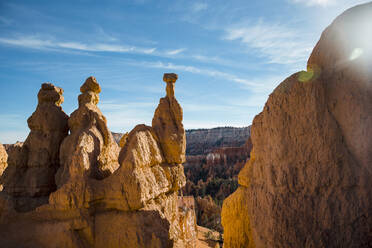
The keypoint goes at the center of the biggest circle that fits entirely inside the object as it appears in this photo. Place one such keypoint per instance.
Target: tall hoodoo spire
(170, 79)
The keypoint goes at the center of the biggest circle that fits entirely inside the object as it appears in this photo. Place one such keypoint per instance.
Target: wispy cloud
(5, 21)
(37, 43)
(105, 35)
(196, 7)
(116, 105)
(123, 116)
(175, 52)
(13, 127)
(201, 71)
(278, 43)
(335, 4)
(315, 2)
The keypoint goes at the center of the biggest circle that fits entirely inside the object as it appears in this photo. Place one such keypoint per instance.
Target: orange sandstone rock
(167, 124)
(90, 149)
(309, 182)
(30, 174)
(105, 198)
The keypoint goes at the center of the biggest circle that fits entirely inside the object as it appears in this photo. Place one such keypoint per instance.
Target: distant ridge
(203, 140)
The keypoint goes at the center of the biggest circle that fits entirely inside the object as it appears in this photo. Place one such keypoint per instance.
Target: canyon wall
(70, 185)
(308, 182)
(202, 141)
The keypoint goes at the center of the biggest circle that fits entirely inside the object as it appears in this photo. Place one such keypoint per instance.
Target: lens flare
(356, 53)
(305, 76)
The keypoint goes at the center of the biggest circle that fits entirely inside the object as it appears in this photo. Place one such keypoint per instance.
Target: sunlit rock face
(29, 178)
(106, 197)
(167, 124)
(308, 183)
(3, 161)
(90, 142)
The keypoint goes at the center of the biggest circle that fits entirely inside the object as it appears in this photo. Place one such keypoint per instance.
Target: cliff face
(104, 196)
(202, 141)
(307, 183)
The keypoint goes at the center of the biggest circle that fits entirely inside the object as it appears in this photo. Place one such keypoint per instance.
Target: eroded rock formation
(167, 124)
(29, 177)
(106, 197)
(308, 182)
(90, 143)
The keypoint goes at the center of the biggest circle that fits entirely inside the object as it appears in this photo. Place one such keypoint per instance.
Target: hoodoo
(29, 178)
(106, 197)
(308, 182)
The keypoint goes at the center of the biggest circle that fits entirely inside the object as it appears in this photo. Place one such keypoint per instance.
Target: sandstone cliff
(308, 182)
(104, 196)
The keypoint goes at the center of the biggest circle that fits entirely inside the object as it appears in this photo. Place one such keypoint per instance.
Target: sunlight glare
(357, 52)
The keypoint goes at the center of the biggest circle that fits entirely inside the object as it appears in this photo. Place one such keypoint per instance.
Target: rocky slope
(307, 183)
(103, 195)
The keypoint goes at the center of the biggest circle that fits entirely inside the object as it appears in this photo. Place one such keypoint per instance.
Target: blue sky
(229, 55)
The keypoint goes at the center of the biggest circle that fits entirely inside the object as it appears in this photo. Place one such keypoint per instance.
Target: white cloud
(196, 7)
(13, 127)
(175, 52)
(124, 116)
(5, 21)
(116, 105)
(11, 137)
(105, 36)
(37, 43)
(201, 71)
(278, 43)
(316, 2)
(335, 4)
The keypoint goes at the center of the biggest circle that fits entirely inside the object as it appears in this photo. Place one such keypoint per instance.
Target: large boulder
(308, 181)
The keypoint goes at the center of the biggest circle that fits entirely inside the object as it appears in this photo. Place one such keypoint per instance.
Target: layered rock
(107, 198)
(307, 183)
(30, 174)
